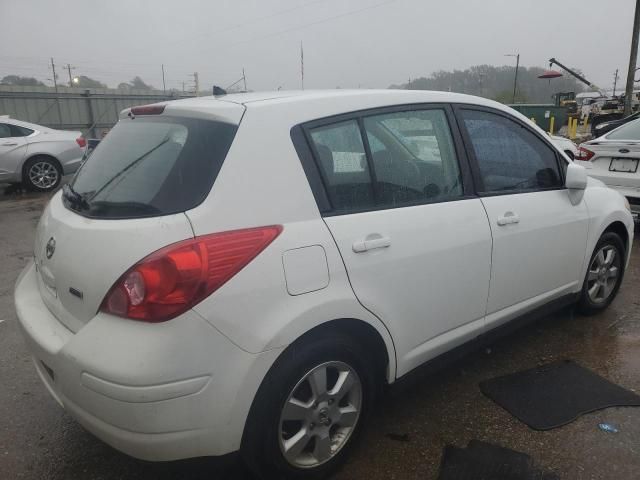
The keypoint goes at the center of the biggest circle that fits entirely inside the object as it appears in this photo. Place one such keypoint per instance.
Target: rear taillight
(584, 154)
(175, 278)
(81, 142)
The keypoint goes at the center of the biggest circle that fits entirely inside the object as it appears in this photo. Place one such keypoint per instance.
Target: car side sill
(441, 361)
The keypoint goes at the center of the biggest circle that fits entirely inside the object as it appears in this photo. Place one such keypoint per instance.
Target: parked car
(565, 145)
(37, 156)
(244, 273)
(600, 129)
(613, 159)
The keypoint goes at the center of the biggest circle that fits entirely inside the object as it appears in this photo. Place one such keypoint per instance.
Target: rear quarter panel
(65, 150)
(262, 183)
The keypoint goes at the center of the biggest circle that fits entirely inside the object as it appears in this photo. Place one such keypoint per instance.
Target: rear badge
(51, 247)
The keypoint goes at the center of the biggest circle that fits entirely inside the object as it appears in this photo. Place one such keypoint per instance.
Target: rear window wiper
(74, 198)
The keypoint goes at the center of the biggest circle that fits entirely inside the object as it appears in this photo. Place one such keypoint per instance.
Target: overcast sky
(347, 43)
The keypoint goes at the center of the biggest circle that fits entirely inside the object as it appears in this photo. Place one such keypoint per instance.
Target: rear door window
(151, 166)
(413, 157)
(5, 131)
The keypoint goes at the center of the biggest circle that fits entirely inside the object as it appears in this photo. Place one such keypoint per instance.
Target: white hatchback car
(614, 159)
(244, 272)
(37, 156)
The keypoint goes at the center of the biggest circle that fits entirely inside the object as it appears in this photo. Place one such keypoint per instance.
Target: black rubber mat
(484, 461)
(553, 395)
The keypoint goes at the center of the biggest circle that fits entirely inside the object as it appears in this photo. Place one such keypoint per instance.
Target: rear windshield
(150, 166)
(630, 131)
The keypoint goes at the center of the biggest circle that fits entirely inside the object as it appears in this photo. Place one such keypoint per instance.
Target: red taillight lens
(175, 278)
(148, 110)
(584, 154)
(81, 142)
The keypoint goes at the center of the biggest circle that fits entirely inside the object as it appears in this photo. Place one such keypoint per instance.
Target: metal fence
(92, 111)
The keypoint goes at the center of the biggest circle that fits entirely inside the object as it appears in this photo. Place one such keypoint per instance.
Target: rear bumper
(154, 391)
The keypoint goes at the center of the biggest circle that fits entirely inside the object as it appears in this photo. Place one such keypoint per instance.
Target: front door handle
(508, 218)
(371, 243)
(9, 144)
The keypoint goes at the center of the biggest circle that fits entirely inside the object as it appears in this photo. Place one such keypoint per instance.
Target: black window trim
(304, 146)
(473, 161)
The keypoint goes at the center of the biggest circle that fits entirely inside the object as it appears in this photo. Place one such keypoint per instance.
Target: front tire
(310, 408)
(604, 274)
(41, 174)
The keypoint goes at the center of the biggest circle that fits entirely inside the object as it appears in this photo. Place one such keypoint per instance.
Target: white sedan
(37, 156)
(246, 272)
(613, 158)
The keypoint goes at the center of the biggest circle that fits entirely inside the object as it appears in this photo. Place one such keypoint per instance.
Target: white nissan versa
(244, 272)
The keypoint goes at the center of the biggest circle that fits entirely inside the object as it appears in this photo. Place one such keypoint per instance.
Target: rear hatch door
(127, 201)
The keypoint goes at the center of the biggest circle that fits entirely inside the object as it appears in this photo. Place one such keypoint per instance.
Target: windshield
(629, 131)
(150, 166)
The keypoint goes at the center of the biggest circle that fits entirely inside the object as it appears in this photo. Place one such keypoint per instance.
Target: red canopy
(550, 74)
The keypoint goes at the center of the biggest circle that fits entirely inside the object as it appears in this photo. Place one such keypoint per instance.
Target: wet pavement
(38, 440)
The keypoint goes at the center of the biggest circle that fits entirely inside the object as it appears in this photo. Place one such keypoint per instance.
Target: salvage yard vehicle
(37, 156)
(246, 272)
(565, 145)
(613, 159)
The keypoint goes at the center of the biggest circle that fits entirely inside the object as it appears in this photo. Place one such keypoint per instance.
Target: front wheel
(604, 274)
(309, 409)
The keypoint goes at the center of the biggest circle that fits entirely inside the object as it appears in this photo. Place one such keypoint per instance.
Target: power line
(258, 19)
(324, 20)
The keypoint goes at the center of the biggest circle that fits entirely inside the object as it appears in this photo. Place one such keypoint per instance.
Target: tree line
(496, 82)
(81, 81)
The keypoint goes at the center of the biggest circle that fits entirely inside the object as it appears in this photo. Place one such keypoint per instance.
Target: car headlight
(626, 203)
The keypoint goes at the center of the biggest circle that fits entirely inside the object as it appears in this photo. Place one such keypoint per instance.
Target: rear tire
(327, 422)
(604, 274)
(41, 174)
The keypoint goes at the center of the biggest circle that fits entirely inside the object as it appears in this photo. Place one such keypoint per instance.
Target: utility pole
(55, 85)
(633, 57)
(69, 67)
(244, 79)
(515, 77)
(301, 66)
(164, 87)
(196, 83)
(615, 82)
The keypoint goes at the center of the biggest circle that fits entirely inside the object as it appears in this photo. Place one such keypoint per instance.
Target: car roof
(301, 105)
(339, 96)
(20, 123)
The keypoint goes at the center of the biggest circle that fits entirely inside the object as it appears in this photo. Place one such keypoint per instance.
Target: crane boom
(578, 76)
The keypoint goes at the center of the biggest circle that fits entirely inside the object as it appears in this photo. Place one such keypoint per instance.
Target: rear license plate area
(626, 165)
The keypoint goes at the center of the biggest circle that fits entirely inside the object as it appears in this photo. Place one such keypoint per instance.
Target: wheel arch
(619, 228)
(363, 333)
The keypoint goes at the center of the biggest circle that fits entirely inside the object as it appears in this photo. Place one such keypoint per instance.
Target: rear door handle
(508, 218)
(371, 243)
(9, 144)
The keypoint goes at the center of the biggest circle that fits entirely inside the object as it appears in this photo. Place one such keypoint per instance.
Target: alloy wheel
(43, 175)
(320, 414)
(603, 274)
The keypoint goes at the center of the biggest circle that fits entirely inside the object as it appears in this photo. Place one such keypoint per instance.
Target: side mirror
(576, 177)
